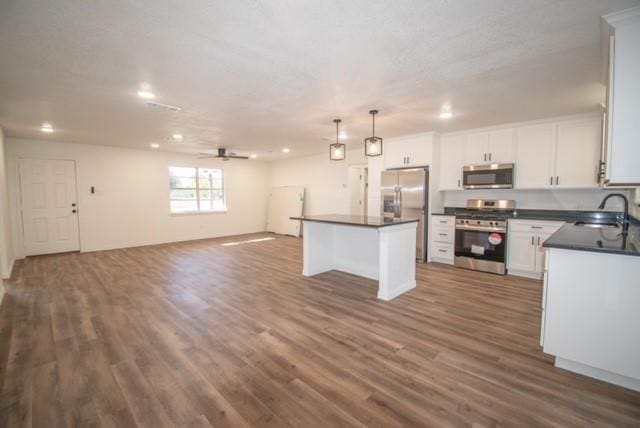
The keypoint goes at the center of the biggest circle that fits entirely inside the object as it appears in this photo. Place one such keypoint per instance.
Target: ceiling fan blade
(238, 157)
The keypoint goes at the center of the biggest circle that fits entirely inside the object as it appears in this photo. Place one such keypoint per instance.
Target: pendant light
(373, 144)
(337, 150)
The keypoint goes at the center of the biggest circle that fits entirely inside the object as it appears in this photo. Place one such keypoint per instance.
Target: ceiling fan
(222, 154)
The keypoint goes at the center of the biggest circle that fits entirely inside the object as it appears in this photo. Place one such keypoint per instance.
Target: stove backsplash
(563, 199)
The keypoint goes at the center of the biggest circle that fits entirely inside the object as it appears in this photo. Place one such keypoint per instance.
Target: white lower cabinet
(442, 238)
(525, 254)
(591, 315)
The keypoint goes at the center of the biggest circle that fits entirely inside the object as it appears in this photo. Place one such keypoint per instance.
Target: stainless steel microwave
(492, 176)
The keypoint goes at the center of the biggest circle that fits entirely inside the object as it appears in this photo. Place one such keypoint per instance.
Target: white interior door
(49, 206)
(285, 202)
(358, 190)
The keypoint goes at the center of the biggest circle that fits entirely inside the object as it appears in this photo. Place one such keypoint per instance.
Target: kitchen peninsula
(377, 248)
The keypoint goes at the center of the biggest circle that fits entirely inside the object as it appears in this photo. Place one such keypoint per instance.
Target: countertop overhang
(581, 238)
(354, 220)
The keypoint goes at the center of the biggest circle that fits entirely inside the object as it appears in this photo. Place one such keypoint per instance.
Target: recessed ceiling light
(286, 150)
(46, 127)
(343, 136)
(446, 115)
(177, 138)
(253, 156)
(146, 94)
(154, 145)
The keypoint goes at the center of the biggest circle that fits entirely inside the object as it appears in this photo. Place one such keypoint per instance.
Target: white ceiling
(258, 76)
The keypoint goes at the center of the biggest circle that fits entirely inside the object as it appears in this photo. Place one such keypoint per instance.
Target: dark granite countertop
(354, 220)
(604, 240)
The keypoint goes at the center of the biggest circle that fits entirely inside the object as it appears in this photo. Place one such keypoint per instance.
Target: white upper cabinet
(452, 159)
(501, 146)
(489, 147)
(535, 156)
(476, 149)
(622, 150)
(408, 152)
(578, 154)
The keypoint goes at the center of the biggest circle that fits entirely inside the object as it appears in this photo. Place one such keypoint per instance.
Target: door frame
(364, 171)
(20, 217)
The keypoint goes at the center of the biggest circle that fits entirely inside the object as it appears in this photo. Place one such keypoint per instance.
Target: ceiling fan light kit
(373, 144)
(337, 150)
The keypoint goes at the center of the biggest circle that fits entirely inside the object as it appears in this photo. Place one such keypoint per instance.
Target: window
(196, 190)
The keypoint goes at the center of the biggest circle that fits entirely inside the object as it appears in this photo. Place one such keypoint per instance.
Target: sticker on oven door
(495, 239)
(477, 250)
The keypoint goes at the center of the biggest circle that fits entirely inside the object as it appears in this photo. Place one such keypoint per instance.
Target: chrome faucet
(625, 220)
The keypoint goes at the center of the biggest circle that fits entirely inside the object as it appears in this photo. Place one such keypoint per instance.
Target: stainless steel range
(481, 235)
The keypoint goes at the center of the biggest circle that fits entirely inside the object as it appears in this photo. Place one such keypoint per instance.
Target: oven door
(494, 176)
(481, 249)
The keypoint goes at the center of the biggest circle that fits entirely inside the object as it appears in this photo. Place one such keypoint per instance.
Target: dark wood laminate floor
(207, 334)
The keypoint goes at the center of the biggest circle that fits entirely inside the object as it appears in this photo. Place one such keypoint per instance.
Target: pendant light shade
(373, 144)
(337, 150)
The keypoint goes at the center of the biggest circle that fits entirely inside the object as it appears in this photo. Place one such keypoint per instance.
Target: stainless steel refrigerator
(405, 195)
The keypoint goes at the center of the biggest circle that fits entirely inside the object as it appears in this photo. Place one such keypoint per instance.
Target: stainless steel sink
(597, 225)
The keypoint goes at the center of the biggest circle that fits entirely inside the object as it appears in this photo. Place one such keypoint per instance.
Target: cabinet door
(521, 251)
(500, 147)
(451, 162)
(541, 252)
(624, 103)
(476, 149)
(578, 153)
(394, 153)
(418, 151)
(535, 150)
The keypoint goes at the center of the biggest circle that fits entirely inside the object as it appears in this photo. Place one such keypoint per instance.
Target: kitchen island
(373, 247)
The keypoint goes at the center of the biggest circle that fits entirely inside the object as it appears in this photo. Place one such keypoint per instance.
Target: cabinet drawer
(442, 251)
(443, 220)
(443, 234)
(534, 226)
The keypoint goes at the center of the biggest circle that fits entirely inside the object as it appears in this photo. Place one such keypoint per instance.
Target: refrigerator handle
(399, 203)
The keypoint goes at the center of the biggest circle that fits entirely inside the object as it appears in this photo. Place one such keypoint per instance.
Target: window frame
(197, 190)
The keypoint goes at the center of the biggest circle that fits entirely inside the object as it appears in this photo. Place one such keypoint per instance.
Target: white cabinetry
(452, 158)
(442, 238)
(578, 153)
(525, 254)
(535, 146)
(495, 146)
(408, 152)
(622, 149)
(591, 315)
(558, 155)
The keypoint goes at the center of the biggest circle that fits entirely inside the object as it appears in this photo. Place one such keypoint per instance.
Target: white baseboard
(600, 374)
(524, 273)
(397, 291)
(7, 274)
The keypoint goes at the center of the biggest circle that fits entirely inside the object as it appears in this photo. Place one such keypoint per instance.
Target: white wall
(6, 245)
(325, 181)
(131, 206)
(559, 199)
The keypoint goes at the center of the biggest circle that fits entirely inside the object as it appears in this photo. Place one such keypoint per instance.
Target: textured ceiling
(258, 76)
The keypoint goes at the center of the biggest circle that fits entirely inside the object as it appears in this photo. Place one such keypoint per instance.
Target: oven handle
(481, 229)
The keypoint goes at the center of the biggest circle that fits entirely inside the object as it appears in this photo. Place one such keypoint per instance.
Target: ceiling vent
(164, 107)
